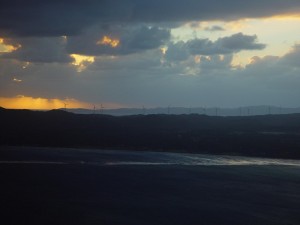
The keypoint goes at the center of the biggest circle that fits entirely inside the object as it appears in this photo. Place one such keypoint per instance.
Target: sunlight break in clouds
(7, 47)
(106, 40)
(82, 61)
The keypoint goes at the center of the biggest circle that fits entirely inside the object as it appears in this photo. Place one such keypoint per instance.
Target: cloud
(214, 28)
(216, 62)
(116, 46)
(292, 58)
(50, 80)
(66, 17)
(151, 78)
(177, 51)
(39, 50)
(280, 74)
(238, 42)
(6, 47)
(227, 45)
(97, 41)
(141, 61)
(48, 18)
(127, 39)
(288, 62)
(146, 38)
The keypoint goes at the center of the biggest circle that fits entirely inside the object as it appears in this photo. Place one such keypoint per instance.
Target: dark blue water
(123, 158)
(83, 187)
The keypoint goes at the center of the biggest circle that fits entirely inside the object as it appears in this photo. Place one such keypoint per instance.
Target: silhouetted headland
(265, 136)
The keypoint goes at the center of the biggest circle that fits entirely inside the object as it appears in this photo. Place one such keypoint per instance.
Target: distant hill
(264, 135)
(212, 111)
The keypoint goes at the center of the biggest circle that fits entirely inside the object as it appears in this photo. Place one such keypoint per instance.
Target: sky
(158, 53)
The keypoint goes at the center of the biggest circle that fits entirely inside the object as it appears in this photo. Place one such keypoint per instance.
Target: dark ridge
(58, 112)
(265, 136)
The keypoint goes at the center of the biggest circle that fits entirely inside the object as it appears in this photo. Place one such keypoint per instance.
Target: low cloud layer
(145, 79)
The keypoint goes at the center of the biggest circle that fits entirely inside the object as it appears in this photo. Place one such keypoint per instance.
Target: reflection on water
(137, 158)
(32, 162)
(205, 160)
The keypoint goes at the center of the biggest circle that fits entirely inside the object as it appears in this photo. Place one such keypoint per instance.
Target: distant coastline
(209, 111)
(274, 136)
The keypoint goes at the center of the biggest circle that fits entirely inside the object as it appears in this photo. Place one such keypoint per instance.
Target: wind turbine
(101, 108)
(280, 109)
(94, 109)
(169, 109)
(65, 104)
(144, 110)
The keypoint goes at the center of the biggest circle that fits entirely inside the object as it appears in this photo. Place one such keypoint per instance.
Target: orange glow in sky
(106, 40)
(197, 59)
(26, 102)
(7, 48)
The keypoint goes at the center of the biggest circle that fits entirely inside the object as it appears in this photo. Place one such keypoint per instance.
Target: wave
(115, 158)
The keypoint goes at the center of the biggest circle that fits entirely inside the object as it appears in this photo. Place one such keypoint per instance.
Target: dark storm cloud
(131, 39)
(226, 45)
(48, 18)
(177, 10)
(66, 17)
(40, 50)
(146, 38)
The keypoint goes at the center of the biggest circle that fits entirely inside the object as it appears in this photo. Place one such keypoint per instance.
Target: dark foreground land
(276, 136)
(61, 186)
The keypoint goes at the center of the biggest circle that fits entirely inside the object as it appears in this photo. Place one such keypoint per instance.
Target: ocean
(85, 186)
